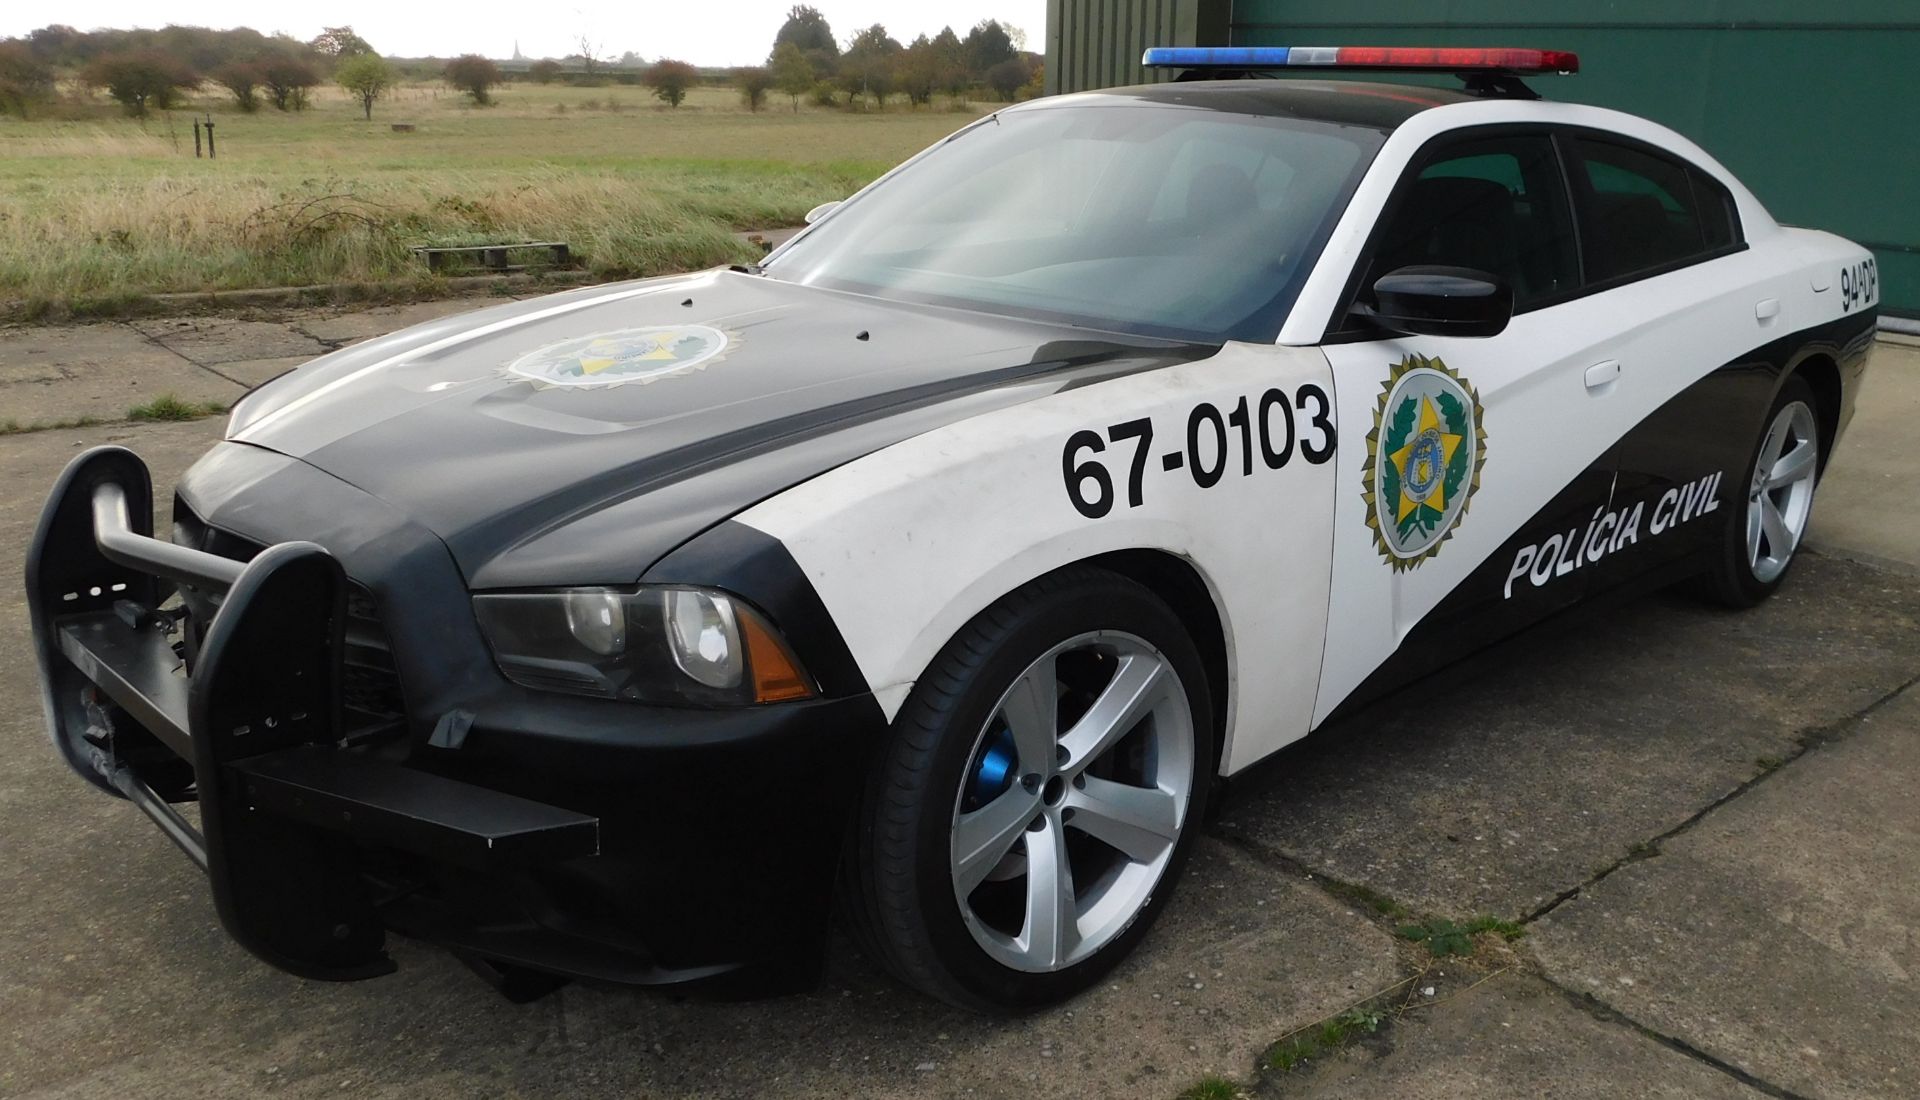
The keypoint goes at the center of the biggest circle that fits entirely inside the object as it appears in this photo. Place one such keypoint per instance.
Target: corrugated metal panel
(1812, 105)
(1097, 43)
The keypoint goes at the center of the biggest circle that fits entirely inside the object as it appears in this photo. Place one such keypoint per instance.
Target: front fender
(906, 545)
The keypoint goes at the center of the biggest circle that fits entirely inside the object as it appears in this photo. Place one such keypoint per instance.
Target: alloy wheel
(1780, 493)
(1073, 801)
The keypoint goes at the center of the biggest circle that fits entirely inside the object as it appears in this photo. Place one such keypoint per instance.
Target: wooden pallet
(494, 256)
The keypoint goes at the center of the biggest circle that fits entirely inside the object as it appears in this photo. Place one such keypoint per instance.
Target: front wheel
(1038, 797)
(1762, 538)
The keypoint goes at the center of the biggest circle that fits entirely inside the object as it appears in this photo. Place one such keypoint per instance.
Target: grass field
(97, 210)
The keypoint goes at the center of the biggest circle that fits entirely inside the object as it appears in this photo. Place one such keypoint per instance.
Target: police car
(936, 569)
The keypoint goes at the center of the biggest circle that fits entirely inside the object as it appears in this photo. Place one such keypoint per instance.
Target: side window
(1494, 204)
(1644, 212)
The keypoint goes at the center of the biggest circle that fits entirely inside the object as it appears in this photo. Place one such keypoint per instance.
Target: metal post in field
(196, 139)
(209, 137)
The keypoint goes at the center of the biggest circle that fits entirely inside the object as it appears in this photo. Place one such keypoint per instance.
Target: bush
(141, 79)
(544, 71)
(242, 79)
(474, 75)
(825, 94)
(670, 80)
(25, 80)
(1007, 78)
(754, 82)
(287, 76)
(1036, 85)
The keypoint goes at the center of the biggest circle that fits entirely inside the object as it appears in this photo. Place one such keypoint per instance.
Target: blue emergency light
(1369, 58)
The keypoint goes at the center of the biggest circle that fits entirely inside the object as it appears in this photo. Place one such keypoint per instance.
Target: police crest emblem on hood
(622, 357)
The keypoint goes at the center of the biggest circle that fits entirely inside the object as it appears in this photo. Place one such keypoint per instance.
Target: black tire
(1730, 580)
(899, 892)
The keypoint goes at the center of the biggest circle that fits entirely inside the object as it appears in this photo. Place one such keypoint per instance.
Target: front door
(1469, 488)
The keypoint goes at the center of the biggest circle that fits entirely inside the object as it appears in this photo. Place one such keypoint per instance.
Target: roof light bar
(1374, 58)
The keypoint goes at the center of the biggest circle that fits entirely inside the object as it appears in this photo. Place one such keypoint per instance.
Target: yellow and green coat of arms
(1423, 461)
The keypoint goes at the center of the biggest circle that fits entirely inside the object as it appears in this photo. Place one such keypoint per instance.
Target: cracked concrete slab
(1500, 785)
(55, 374)
(253, 372)
(211, 341)
(341, 329)
(1779, 934)
(1513, 1036)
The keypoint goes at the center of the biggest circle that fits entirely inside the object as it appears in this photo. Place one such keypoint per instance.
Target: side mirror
(1442, 301)
(822, 211)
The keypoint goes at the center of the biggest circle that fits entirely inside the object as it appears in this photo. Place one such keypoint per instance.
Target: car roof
(1374, 105)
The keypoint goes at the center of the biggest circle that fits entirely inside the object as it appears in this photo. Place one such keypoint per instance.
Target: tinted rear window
(1646, 213)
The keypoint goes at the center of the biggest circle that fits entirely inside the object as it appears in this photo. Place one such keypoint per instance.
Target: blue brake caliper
(993, 769)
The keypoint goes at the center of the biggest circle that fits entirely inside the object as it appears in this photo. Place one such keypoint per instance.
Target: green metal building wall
(1816, 106)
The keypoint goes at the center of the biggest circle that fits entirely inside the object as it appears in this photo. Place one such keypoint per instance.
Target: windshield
(1163, 220)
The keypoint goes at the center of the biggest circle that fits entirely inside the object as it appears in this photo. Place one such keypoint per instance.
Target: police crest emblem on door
(1423, 459)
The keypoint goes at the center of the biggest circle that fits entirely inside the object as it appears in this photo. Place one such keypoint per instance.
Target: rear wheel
(1036, 801)
(1762, 537)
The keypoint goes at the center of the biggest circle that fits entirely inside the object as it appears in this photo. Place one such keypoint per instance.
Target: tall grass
(110, 207)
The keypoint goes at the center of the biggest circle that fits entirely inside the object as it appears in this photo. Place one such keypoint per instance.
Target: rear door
(1701, 343)
(1470, 506)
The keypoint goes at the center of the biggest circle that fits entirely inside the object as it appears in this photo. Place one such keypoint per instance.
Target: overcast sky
(705, 32)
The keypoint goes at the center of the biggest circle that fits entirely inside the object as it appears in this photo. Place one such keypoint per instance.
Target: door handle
(1600, 375)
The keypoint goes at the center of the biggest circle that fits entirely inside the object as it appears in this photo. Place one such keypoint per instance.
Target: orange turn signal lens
(776, 675)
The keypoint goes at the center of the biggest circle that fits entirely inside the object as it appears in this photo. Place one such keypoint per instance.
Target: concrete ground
(1702, 821)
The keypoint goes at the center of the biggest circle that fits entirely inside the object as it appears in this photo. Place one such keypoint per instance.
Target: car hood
(577, 438)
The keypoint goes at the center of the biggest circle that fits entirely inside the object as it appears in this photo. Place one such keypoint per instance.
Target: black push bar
(254, 734)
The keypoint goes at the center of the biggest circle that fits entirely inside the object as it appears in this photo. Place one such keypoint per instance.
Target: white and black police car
(934, 570)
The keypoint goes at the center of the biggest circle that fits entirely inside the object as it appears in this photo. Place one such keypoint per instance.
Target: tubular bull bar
(255, 734)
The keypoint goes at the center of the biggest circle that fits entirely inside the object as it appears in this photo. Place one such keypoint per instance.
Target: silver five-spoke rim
(1072, 801)
(1780, 494)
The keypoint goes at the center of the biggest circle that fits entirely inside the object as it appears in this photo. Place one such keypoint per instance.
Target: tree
(808, 31)
(792, 73)
(590, 58)
(25, 80)
(367, 76)
(544, 71)
(57, 44)
(242, 78)
(753, 82)
(339, 43)
(987, 45)
(286, 77)
(473, 75)
(142, 78)
(867, 67)
(953, 57)
(924, 69)
(1006, 78)
(670, 80)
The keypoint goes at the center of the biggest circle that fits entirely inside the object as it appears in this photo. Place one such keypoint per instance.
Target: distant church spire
(516, 51)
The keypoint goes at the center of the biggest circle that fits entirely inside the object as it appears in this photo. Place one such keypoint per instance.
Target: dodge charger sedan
(933, 572)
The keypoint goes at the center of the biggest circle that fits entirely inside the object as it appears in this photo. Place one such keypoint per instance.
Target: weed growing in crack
(1211, 1087)
(1445, 937)
(169, 407)
(1329, 1036)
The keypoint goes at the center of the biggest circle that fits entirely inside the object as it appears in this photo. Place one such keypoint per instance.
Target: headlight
(676, 646)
